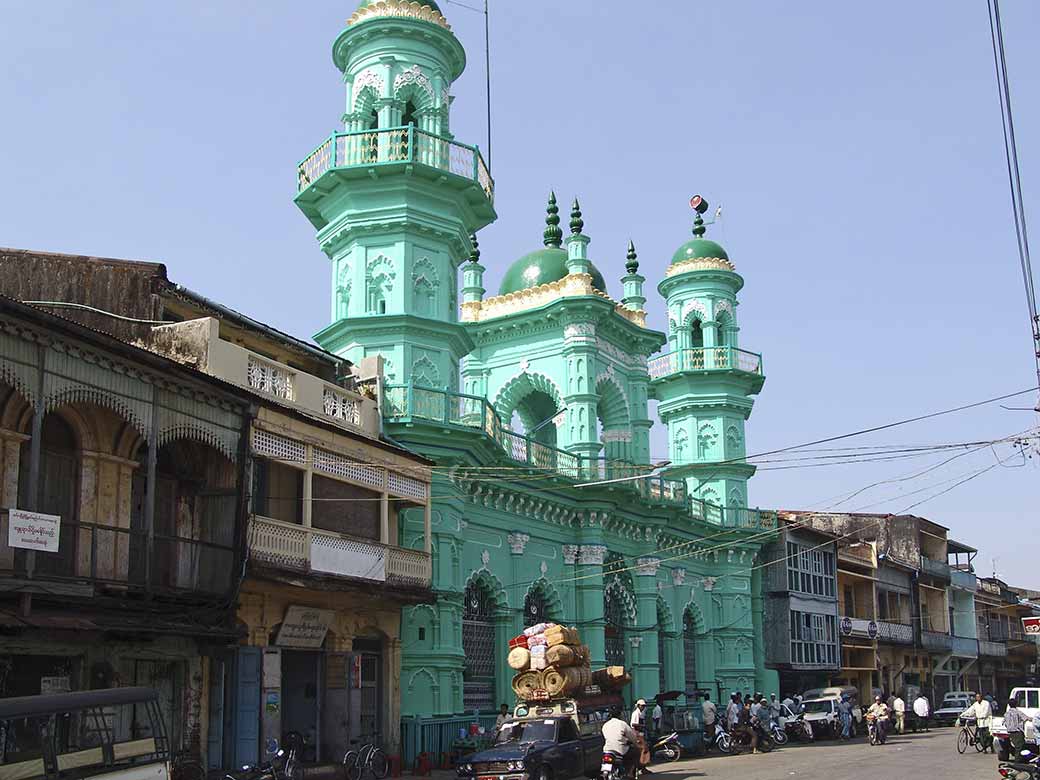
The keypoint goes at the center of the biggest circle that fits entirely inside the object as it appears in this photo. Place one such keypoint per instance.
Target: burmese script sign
(304, 627)
(1031, 626)
(33, 531)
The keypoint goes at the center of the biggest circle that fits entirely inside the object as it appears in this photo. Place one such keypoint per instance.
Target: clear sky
(856, 148)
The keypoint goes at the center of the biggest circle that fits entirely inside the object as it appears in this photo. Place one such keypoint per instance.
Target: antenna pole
(487, 72)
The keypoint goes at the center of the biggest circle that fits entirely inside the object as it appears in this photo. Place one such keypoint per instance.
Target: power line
(1014, 175)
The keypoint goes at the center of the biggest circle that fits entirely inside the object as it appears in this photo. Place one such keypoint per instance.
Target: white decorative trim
(485, 558)
(623, 358)
(413, 75)
(723, 305)
(570, 553)
(366, 78)
(611, 436)
(709, 583)
(647, 567)
(408, 9)
(636, 641)
(579, 329)
(699, 264)
(517, 542)
(695, 305)
(543, 568)
(678, 577)
(592, 554)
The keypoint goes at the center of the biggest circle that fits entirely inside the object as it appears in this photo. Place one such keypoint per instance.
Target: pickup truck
(541, 742)
(1029, 704)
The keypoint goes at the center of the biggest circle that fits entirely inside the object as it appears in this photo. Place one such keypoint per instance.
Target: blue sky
(856, 149)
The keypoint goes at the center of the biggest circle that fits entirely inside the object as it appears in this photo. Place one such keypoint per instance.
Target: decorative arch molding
(424, 269)
(614, 401)
(73, 393)
(429, 683)
(202, 435)
(413, 84)
(696, 616)
(736, 498)
(616, 589)
(483, 578)
(425, 369)
(368, 88)
(665, 619)
(693, 309)
(723, 307)
(553, 601)
(521, 385)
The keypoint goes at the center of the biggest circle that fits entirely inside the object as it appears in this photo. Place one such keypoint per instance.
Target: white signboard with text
(304, 627)
(33, 530)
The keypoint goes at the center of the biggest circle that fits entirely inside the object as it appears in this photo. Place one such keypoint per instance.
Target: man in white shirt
(711, 714)
(733, 710)
(619, 737)
(922, 710)
(638, 719)
(983, 715)
(899, 708)
(657, 717)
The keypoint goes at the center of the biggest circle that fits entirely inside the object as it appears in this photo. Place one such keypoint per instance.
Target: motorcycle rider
(983, 715)
(621, 738)
(880, 712)
(746, 726)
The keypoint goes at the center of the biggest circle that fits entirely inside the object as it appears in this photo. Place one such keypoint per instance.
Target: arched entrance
(478, 645)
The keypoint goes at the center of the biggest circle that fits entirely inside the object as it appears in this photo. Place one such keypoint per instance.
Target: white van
(820, 706)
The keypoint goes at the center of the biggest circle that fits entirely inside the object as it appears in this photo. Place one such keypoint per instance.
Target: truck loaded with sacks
(554, 730)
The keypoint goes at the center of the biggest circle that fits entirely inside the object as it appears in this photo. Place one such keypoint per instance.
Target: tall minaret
(395, 198)
(705, 382)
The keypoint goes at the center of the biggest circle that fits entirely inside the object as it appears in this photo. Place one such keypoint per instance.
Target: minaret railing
(704, 359)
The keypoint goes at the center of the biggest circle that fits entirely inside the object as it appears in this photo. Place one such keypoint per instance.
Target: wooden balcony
(314, 551)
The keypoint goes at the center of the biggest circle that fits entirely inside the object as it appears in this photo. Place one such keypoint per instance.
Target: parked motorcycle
(1026, 768)
(740, 742)
(667, 748)
(798, 728)
(723, 740)
(777, 733)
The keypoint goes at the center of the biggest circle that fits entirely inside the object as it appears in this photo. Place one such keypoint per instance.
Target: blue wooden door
(246, 713)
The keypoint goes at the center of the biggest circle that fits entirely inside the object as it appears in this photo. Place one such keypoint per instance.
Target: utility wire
(1014, 175)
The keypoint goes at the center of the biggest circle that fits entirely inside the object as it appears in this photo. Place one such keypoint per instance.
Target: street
(912, 755)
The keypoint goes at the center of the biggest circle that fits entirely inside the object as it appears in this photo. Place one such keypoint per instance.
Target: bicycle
(369, 757)
(969, 736)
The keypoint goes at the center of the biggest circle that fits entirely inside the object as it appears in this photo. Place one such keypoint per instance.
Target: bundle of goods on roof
(551, 662)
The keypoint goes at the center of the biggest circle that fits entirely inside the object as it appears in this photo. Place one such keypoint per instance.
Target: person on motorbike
(622, 739)
(880, 712)
(845, 716)
(746, 726)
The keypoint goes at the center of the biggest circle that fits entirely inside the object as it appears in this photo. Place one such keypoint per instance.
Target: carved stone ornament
(570, 553)
(722, 305)
(367, 78)
(579, 329)
(691, 306)
(647, 567)
(636, 642)
(485, 557)
(678, 577)
(543, 568)
(592, 554)
(517, 542)
(709, 583)
(414, 75)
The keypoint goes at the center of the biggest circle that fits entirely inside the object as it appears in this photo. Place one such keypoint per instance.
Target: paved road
(909, 757)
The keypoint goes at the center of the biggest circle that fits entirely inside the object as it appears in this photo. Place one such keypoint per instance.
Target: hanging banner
(33, 531)
(304, 627)
(1031, 626)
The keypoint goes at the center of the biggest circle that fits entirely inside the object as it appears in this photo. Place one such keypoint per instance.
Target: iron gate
(535, 608)
(614, 630)
(690, 652)
(478, 645)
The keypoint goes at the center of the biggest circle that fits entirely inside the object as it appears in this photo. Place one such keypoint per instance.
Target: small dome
(698, 248)
(541, 267)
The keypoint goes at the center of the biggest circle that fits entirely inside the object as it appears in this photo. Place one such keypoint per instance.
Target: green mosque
(532, 400)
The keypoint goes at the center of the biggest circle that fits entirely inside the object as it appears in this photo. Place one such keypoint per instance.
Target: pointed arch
(613, 403)
(693, 617)
(412, 84)
(483, 578)
(511, 395)
(425, 373)
(617, 589)
(551, 603)
(665, 619)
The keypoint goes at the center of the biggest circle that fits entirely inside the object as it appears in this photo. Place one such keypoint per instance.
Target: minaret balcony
(369, 150)
(705, 359)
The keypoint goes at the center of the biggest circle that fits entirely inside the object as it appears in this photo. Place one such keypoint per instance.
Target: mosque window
(696, 335)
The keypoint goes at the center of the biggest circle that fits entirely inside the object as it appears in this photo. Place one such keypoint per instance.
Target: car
(820, 708)
(1029, 704)
(953, 704)
(540, 742)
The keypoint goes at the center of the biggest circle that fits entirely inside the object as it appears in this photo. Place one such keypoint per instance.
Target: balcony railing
(940, 569)
(409, 404)
(315, 551)
(705, 359)
(991, 649)
(936, 640)
(965, 647)
(395, 146)
(965, 580)
(895, 633)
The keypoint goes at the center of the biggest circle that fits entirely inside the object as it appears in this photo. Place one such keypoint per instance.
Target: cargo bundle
(551, 662)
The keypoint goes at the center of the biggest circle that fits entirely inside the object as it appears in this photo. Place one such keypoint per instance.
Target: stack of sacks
(550, 658)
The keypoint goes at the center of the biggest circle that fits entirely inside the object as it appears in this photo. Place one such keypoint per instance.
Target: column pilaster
(645, 671)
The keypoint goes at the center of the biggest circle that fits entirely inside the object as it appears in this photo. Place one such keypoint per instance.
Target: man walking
(922, 710)
(899, 708)
(711, 713)
(1015, 723)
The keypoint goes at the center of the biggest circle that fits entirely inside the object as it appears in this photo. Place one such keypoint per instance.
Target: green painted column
(646, 667)
(590, 600)
(766, 680)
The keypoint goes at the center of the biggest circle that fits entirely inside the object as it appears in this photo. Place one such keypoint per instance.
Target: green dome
(699, 247)
(541, 267)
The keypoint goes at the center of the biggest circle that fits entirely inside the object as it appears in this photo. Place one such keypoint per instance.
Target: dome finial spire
(632, 264)
(699, 205)
(577, 223)
(474, 253)
(552, 236)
